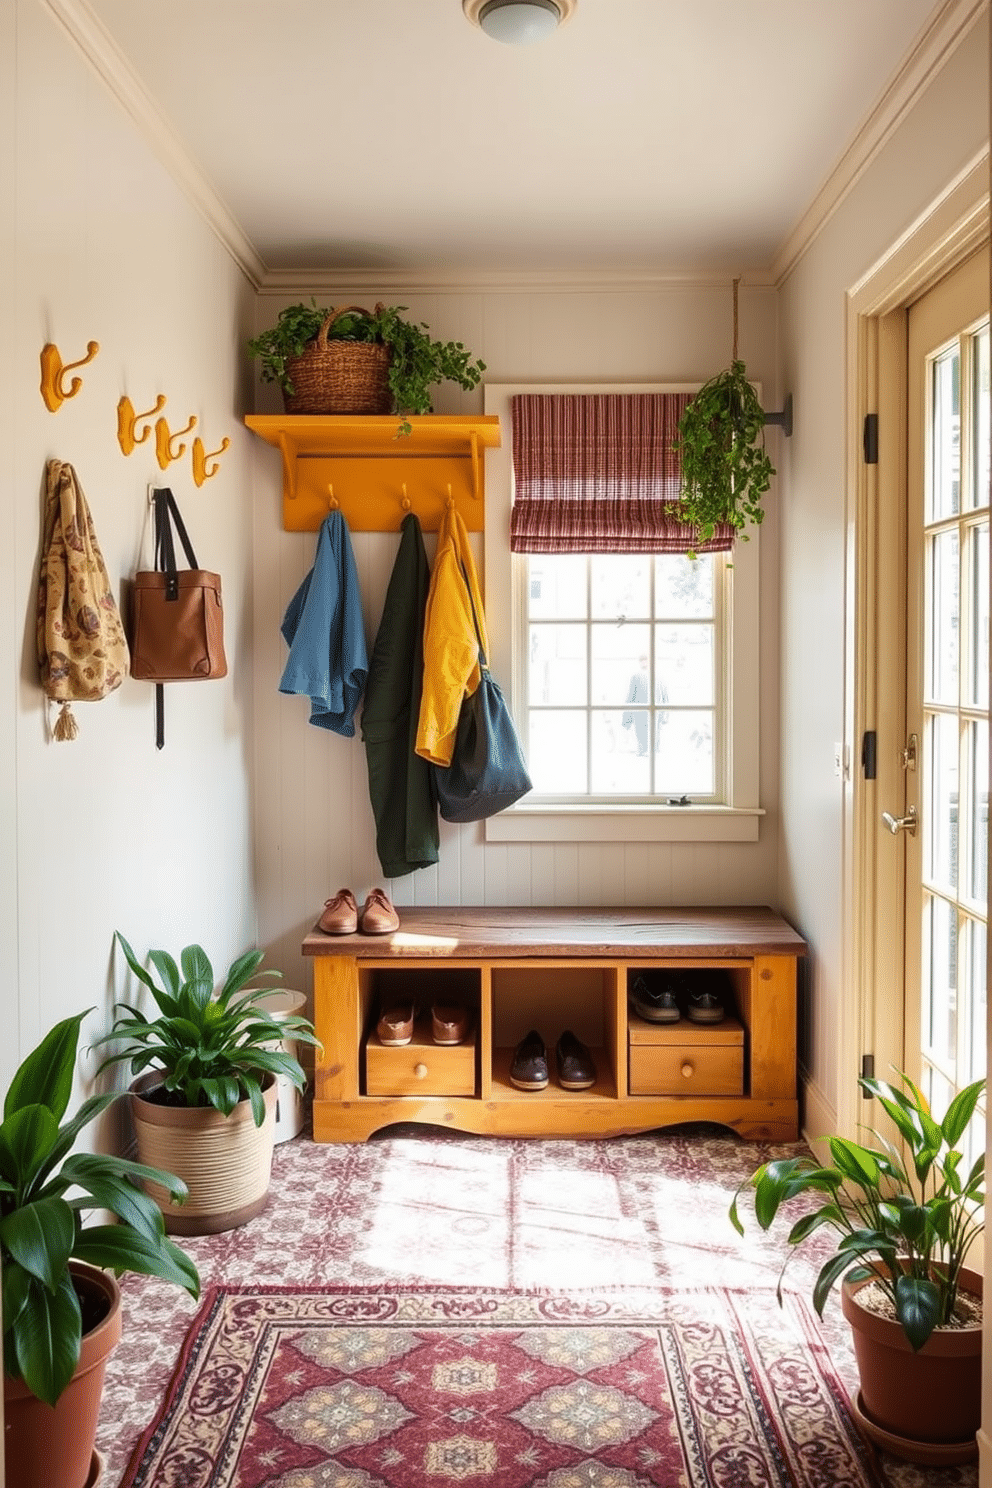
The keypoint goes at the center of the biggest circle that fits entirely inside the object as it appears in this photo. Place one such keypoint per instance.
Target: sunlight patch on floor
(571, 1231)
(441, 1214)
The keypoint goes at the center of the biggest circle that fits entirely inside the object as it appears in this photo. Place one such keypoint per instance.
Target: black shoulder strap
(483, 659)
(165, 552)
(165, 562)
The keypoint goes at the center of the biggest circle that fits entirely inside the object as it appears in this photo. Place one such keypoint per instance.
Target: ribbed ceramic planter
(49, 1446)
(925, 1407)
(225, 1161)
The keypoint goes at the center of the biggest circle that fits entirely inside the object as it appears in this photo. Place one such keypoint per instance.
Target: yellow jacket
(451, 648)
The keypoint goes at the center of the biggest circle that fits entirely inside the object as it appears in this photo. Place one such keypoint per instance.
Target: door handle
(897, 824)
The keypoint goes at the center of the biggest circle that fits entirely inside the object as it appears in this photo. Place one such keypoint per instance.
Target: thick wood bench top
(506, 933)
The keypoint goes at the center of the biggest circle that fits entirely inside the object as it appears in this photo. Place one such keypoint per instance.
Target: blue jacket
(328, 660)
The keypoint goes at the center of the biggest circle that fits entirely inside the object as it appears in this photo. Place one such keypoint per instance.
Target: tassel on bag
(66, 726)
(82, 649)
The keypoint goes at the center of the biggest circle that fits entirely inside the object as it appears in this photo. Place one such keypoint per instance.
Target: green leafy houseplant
(295, 328)
(908, 1224)
(725, 469)
(212, 1050)
(45, 1188)
(417, 361)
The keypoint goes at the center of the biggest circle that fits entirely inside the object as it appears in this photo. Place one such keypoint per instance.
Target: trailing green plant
(908, 1224)
(212, 1049)
(45, 1188)
(725, 469)
(417, 361)
(295, 328)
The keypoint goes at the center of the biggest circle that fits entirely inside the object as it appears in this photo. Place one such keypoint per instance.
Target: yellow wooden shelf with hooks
(374, 474)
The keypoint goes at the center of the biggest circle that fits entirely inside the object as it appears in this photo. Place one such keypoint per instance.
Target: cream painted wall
(944, 131)
(97, 242)
(314, 828)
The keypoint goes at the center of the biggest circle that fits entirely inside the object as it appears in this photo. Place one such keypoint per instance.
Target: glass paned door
(948, 685)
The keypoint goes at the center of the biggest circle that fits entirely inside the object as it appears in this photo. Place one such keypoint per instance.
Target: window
(633, 679)
(624, 660)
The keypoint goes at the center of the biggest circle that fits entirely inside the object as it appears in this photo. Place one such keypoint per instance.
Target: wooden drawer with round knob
(686, 1058)
(420, 1067)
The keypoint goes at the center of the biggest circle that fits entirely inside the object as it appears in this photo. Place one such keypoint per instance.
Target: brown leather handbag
(177, 617)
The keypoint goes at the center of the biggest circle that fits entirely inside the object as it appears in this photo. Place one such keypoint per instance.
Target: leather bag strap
(483, 659)
(165, 551)
(167, 512)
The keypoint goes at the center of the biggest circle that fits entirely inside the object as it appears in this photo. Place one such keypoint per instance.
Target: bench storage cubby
(516, 969)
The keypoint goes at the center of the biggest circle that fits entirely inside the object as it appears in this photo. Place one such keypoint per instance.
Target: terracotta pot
(927, 1399)
(52, 1446)
(225, 1161)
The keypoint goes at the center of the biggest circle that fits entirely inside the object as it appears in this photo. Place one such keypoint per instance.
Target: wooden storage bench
(557, 969)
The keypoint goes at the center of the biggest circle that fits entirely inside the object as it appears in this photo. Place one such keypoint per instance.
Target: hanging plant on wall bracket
(725, 469)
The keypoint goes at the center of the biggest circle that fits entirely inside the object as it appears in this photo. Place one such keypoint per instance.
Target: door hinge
(871, 439)
(867, 1073)
(869, 754)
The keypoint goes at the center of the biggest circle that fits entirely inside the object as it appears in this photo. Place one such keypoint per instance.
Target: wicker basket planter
(339, 376)
(225, 1161)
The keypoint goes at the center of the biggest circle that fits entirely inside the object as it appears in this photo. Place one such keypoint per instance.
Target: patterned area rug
(369, 1387)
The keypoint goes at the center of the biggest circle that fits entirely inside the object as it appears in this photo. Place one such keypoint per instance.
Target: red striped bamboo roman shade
(598, 473)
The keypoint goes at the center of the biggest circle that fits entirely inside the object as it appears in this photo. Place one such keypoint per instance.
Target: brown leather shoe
(449, 1023)
(395, 1026)
(378, 916)
(340, 915)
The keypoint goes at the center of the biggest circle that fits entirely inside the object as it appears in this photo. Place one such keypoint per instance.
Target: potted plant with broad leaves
(352, 360)
(204, 1100)
(905, 1226)
(61, 1308)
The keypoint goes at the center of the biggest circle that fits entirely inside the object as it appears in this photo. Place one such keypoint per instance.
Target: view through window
(624, 661)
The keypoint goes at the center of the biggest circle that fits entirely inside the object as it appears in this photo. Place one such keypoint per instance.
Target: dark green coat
(399, 780)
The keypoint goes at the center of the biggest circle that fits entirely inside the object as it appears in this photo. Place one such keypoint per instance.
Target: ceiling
(393, 136)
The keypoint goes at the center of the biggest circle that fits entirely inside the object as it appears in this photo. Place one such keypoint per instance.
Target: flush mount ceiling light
(518, 22)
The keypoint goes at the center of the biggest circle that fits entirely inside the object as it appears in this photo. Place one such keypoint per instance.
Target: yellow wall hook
(127, 418)
(405, 502)
(332, 503)
(200, 458)
(164, 440)
(53, 371)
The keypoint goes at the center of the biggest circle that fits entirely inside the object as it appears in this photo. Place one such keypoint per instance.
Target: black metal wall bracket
(783, 418)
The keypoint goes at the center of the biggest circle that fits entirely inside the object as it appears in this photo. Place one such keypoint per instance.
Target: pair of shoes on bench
(341, 915)
(662, 1000)
(450, 1024)
(575, 1066)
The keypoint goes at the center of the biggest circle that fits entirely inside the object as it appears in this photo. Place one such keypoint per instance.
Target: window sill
(636, 823)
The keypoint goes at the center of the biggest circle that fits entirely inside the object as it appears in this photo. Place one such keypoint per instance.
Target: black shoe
(704, 1005)
(655, 1003)
(576, 1070)
(529, 1070)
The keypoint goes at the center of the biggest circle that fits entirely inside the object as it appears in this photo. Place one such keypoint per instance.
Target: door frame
(948, 232)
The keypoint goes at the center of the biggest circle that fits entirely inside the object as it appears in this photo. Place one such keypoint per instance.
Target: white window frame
(737, 818)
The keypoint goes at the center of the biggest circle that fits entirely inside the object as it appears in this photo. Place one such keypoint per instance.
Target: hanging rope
(736, 282)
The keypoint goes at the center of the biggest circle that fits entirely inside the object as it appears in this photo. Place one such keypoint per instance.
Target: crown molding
(519, 281)
(90, 37)
(939, 39)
